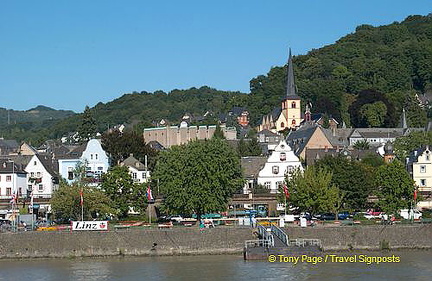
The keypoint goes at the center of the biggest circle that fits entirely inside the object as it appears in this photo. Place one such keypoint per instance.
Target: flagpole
(82, 204)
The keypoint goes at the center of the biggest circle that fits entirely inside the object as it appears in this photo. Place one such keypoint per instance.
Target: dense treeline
(365, 79)
(395, 60)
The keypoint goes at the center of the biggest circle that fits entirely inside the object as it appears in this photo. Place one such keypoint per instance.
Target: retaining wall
(220, 240)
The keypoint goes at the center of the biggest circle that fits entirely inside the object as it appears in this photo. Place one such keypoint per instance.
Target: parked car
(326, 216)
(343, 215)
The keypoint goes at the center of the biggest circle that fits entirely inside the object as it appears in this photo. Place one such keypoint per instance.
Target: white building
(91, 153)
(282, 162)
(42, 178)
(12, 180)
(137, 170)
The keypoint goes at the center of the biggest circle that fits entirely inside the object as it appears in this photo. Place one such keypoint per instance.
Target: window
(267, 184)
(293, 122)
(70, 175)
(38, 174)
(20, 191)
(91, 156)
(134, 176)
(282, 124)
(275, 169)
(96, 156)
(100, 168)
(34, 163)
(422, 168)
(40, 187)
(8, 178)
(32, 175)
(290, 169)
(279, 184)
(422, 182)
(282, 156)
(427, 157)
(8, 191)
(293, 104)
(144, 175)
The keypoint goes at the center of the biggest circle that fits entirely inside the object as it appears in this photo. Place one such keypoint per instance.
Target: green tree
(353, 178)
(87, 128)
(394, 187)
(313, 190)
(65, 202)
(218, 134)
(361, 145)
(120, 145)
(118, 185)
(406, 144)
(199, 177)
(373, 114)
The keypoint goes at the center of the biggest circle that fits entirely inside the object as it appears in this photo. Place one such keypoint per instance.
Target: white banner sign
(90, 225)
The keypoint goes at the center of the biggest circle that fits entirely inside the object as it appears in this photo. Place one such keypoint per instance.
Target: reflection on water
(414, 265)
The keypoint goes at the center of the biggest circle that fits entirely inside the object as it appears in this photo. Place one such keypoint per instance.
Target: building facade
(177, 135)
(281, 163)
(138, 171)
(92, 154)
(420, 167)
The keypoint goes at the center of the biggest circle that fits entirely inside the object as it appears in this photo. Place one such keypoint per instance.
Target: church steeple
(404, 123)
(291, 92)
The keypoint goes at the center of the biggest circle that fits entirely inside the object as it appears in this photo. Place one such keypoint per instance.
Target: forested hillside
(31, 125)
(395, 60)
(365, 79)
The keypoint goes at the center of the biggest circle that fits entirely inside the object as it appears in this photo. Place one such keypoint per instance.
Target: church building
(288, 116)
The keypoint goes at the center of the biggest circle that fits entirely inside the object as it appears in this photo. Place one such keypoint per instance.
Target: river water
(413, 265)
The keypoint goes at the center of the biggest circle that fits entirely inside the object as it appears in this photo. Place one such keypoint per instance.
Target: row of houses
(27, 172)
(311, 143)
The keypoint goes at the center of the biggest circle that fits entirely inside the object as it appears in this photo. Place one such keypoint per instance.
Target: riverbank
(192, 241)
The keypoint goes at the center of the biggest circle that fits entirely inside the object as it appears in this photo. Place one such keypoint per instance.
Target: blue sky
(69, 54)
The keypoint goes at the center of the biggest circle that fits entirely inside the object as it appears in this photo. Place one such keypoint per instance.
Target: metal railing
(280, 234)
(266, 235)
(304, 242)
(258, 243)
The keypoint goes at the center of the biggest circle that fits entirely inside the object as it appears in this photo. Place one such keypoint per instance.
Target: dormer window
(293, 104)
(275, 170)
(282, 156)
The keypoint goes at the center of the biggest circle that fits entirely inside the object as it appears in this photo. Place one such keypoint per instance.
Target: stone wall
(220, 240)
(175, 241)
(367, 237)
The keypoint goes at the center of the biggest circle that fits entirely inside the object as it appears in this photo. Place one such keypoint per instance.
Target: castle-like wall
(177, 135)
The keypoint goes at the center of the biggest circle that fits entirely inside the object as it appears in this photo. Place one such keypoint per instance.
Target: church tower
(290, 116)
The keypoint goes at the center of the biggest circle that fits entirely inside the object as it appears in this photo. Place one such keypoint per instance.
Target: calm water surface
(414, 265)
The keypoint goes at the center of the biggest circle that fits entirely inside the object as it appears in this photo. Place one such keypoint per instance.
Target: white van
(409, 214)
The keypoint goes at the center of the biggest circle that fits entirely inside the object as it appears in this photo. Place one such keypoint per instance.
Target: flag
(81, 197)
(285, 189)
(149, 194)
(415, 194)
(13, 199)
